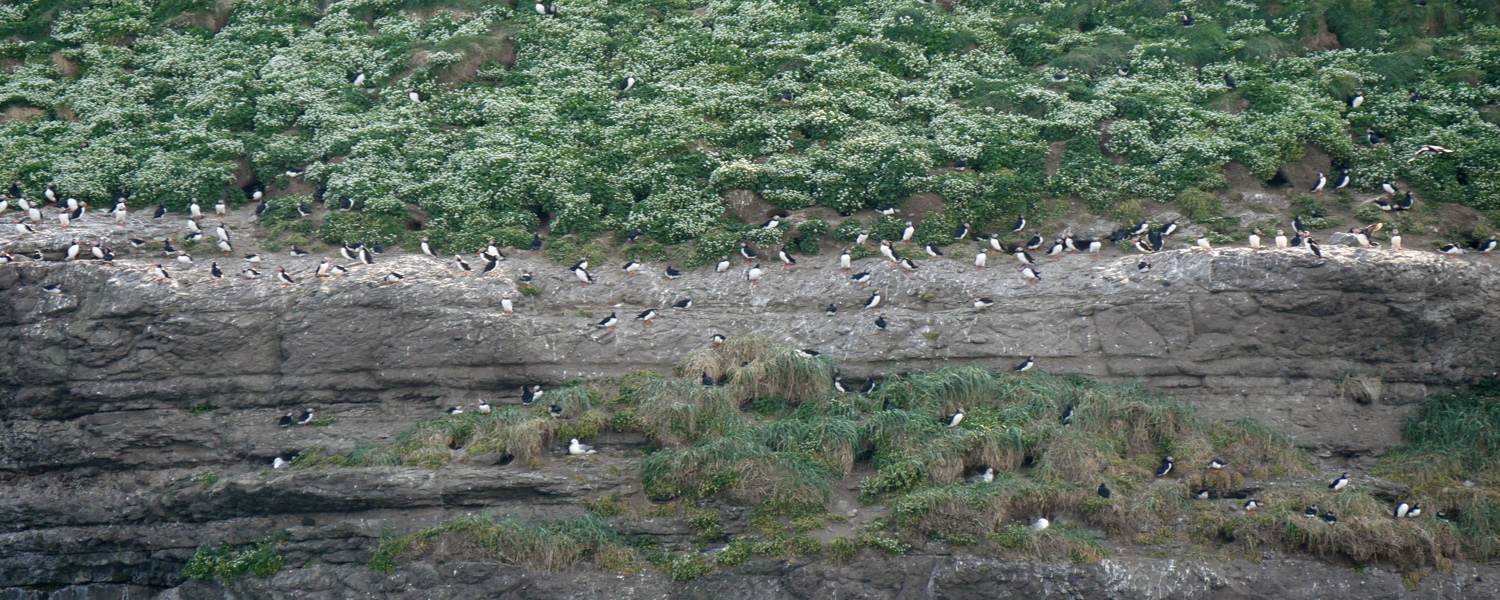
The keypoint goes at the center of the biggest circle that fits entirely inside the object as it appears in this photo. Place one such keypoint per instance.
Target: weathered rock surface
(104, 466)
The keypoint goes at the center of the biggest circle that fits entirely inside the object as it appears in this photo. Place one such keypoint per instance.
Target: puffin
(1057, 249)
(119, 212)
(683, 304)
(647, 315)
(958, 165)
(753, 274)
(1343, 180)
(631, 268)
(365, 257)
(633, 234)
(282, 277)
(536, 242)
(483, 407)
(908, 265)
(1122, 70)
(1359, 236)
(530, 394)
(1488, 245)
(506, 306)
(983, 303)
(868, 387)
(889, 211)
(1039, 524)
(358, 78)
(489, 265)
(308, 414)
(279, 463)
(933, 251)
(457, 410)
(525, 278)
(1019, 224)
(1416, 510)
(1165, 468)
(463, 267)
(297, 252)
(980, 258)
(50, 193)
(706, 380)
(1169, 229)
(864, 236)
(1311, 512)
(772, 223)
(1451, 250)
(961, 233)
(995, 244)
(1317, 187)
(62, 219)
(672, 273)
(880, 322)
(723, 266)
(786, 259)
(98, 251)
(1216, 464)
(838, 384)
(583, 276)
(555, 410)
(985, 476)
(1251, 505)
(845, 261)
(1328, 516)
(286, 420)
(1030, 275)
(416, 98)
(1103, 491)
(346, 203)
(577, 448)
(831, 310)
(861, 278)
(1395, 240)
(716, 339)
(249, 273)
(1025, 365)
(887, 251)
(226, 248)
(53, 289)
(393, 278)
(1203, 243)
(1297, 225)
(956, 418)
(1229, 80)
(1340, 483)
(347, 252)
(1066, 418)
(1405, 202)
(907, 233)
(1187, 19)
(608, 323)
(161, 211)
(1402, 510)
(746, 252)
(627, 83)
(1281, 241)
(1255, 241)
(1059, 77)
(1201, 494)
(1035, 241)
(1373, 138)
(184, 258)
(1312, 245)
(1094, 247)
(194, 210)
(809, 353)
(1024, 257)
(1358, 99)
(73, 250)
(160, 273)
(427, 248)
(215, 271)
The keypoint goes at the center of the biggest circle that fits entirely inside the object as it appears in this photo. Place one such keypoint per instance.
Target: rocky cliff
(140, 416)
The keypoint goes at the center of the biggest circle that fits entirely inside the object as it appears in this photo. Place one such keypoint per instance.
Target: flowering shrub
(522, 122)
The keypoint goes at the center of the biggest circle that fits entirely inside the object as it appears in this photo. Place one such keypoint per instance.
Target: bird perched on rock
(609, 322)
(753, 274)
(577, 448)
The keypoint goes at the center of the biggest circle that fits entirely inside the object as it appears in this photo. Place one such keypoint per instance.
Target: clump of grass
(1059, 542)
(201, 408)
(553, 546)
(612, 505)
(228, 562)
(754, 367)
(677, 411)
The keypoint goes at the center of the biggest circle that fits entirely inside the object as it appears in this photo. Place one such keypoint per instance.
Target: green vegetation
(534, 546)
(228, 562)
(201, 408)
(522, 120)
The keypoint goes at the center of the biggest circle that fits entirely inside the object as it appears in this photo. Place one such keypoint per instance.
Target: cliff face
(104, 459)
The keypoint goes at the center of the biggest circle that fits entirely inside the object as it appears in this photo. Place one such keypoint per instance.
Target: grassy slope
(773, 435)
(168, 95)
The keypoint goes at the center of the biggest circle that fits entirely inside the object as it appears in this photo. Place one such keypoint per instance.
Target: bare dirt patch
(1054, 156)
(21, 113)
(65, 67)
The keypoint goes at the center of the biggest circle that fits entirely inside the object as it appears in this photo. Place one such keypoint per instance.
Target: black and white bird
(1187, 19)
(1402, 510)
(531, 394)
(324, 269)
(907, 233)
(960, 164)
(807, 353)
(647, 315)
(626, 84)
(1122, 70)
(1019, 224)
(1216, 464)
(1056, 249)
(1252, 505)
(985, 476)
(786, 259)
(874, 301)
(1203, 244)
(184, 258)
(880, 322)
(983, 303)
(961, 233)
(1059, 77)
(981, 258)
(1030, 275)
(772, 223)
(1406, 202)
(457, 410)
(672, 273)
(1357, 100)
(1343, 180)
(1328, 516)
(683, 304)
(845, 261)
(555, 410)
(1201, 494)
(609, 322)
(394, 278)
(53, 289)
(1488, 246)
(632, 268)
(1165, 468)
(1025, 365)
(1035, 241)
(888, 211)
(887, 252)
(1451, 250)
(1373, 138)
(458, 261)
(411, 94)
(1229, 80)
(956, 418)
(831, 310)
(907, 264)
(482, 408)
(283, 278)
(583, 276)
(861, 278)
(706, 380)
(868, 387)
(1066, 418)
(862, 237)
(286, 420)
(1281, 241)
(577, 448)
(298, 252)
(161, 211)
(1317, 187)
(748, 253)
(358, 78)
(536, 242)
(933, 251)
(280, 463)
(1395, 240)
(1103, 491)
(1416, 511)
(753, 274)
(1024, 257)
(1340, 483)
(506, 306)
(308, 414)
(159, 273)
(1311, 512)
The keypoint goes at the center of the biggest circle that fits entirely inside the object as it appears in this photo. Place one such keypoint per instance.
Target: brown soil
(1323, 39)
(21, 113)
(747, 205)
(918, 206)
(1054, 156)
(64, 66)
